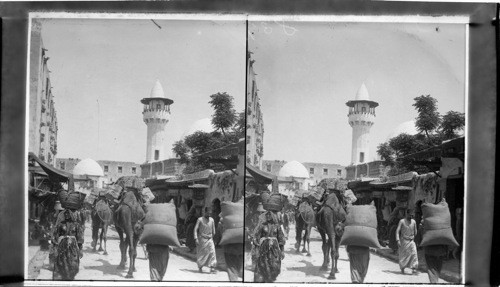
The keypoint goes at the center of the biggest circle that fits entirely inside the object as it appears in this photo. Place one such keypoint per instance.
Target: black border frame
(482, 106)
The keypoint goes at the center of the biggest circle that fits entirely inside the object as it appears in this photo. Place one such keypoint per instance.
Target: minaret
(156, 115)
(361, 118)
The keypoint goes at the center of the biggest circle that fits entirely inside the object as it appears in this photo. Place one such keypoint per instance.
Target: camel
(127, 219)
(101, 218)
(304, 221)
(329, 221)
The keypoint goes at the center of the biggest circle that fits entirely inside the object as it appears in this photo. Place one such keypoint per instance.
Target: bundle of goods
(334, 184)
(94, 194)
(130, 182)
(274, 203)
(437, 225)
(361, 226)
(294, 200)
(314, 196)
(71, 200)
(114, 193)
(160, 225)
(232, 220)
(147, 195)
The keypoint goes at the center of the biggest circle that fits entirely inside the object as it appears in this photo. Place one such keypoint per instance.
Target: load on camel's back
(127, 217)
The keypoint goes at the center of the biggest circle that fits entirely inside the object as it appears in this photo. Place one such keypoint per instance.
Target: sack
(160, 225)
(274, 203)
(232, 220)
(437, 225)
(361, 226)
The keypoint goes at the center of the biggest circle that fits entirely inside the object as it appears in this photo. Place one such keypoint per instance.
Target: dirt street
(297, 267)
(96, 266)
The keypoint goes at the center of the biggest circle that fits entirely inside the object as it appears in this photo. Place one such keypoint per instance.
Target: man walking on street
(434, 256)
(233, 254)
(158, 256)
(359, 258)
(204, 232)
(405, 235)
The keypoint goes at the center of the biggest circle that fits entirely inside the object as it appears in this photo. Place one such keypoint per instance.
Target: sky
(307, 71)
(101, 69)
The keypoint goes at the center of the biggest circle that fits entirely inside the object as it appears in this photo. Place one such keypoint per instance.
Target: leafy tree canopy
(229, 128)
(433, 130)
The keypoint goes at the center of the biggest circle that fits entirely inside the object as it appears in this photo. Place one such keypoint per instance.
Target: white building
(295, 176)
(156, 115)
(361, 118)
(88, 168)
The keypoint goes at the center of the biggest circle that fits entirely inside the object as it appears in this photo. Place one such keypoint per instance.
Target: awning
(402, 188)
(393, 181)
(199, 186)
(260, 175)
(38, 170)
(53, 173)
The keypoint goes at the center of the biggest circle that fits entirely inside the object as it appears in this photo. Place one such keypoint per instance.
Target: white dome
(88, 167)
(157, 91)
(362, 94)
(204, 125)
(406, 127)
(294, 169)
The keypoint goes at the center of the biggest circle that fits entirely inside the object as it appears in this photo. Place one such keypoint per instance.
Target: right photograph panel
(355, 152)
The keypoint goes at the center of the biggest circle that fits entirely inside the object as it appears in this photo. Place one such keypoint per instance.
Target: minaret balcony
(156, 114)
(361, 117)
(361, 113)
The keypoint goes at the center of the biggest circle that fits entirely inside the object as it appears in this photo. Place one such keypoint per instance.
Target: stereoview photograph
(136, 148)
(355, 144)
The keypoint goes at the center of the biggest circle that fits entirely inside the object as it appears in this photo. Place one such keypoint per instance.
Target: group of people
(406, 232)
(202, 235)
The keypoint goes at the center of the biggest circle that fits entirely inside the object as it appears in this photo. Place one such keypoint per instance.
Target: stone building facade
(255, 124)
(112, 169)
(317, 171)
(167, 167)
(372, 169)
(42, 117)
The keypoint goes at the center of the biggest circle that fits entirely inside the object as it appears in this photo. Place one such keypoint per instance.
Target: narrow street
(302, 268)
(96, 266)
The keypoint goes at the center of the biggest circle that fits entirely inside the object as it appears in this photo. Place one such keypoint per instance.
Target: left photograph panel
(136, 147)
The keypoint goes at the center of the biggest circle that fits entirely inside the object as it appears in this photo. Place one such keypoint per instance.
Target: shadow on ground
(194, 271)
(397, 272)
(107, 268)
(309, 269)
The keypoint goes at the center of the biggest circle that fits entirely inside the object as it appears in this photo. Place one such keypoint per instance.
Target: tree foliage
(452, 122)
(433, 130)
(428, 117)
(229, 128)
(224, 115)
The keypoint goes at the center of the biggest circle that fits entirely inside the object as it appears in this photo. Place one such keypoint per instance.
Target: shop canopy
(394, 181)
(53, 173)
(260, 176)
